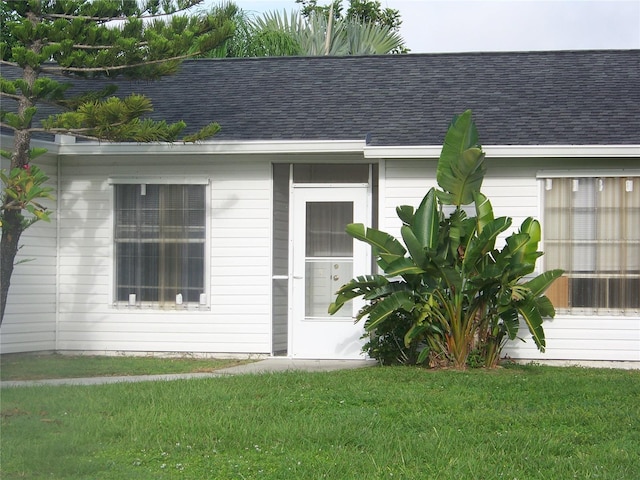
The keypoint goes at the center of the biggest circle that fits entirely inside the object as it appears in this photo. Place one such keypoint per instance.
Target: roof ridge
(422, 54)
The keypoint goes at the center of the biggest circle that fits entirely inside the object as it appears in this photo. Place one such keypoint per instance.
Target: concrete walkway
(275, 364)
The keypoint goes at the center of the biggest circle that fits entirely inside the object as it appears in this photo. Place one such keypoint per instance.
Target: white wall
(30, 320)
(239, 320)
(240, 260)
(579, 337)
(514, 191)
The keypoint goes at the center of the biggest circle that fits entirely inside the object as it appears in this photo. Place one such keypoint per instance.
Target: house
(235, 246)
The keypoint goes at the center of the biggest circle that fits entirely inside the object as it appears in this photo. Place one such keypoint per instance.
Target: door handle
(296, 277)
(336, 278)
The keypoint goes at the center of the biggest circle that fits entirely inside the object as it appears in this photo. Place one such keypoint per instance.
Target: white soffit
(512, 151)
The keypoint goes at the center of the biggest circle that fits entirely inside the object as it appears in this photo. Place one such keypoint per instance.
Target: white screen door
(324, 259)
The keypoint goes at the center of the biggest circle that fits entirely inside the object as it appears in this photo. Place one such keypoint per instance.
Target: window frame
(542, 177)
(161, 180)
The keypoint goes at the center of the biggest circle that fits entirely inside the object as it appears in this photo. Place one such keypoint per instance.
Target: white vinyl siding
(30, 316)
(239, 283)
(578, 337)
(240, 255)
(514, 190)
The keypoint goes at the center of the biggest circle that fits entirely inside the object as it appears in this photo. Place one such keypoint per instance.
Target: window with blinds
(592, 231)
(160, 244)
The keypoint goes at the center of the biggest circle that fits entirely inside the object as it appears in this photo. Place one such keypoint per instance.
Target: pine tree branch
(66, 131)
(96, 47)
(117, 67)
(64, 16)
(53, 16)
(17, 98)
(71, 131)
(42, 130)
(10, 64)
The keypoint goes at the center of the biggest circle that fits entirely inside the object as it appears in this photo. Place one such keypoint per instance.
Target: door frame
(360, 192)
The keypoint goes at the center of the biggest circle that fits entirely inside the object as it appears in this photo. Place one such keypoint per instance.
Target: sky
(431, 26)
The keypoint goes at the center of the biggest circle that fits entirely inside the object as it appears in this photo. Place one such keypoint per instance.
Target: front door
(324, 259)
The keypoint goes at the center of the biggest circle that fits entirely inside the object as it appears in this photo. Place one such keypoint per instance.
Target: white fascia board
(403, 151)
(213, 148)
(579, 173)
(329, 146)
(512, 151)
(562, 151)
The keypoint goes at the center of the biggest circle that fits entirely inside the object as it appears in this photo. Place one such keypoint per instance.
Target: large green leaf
(519, 255)
(416, 331)
(461, 166)
(539, 284)
(402, 300)
(421, 229)
(386, 259)
(545, 307)
(451, 276)
(359, 286)
(426, 221)
(511, 322)
(484, 211)
(527, 251)
(459, 227)
(416, 250)
(364, 283)
(490, 273)
(386, 290)
(484, 243)
(403, 266)
(533, 319)
(405, 213)
(381, 241)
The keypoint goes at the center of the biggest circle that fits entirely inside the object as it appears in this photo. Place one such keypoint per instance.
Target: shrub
(445, 287)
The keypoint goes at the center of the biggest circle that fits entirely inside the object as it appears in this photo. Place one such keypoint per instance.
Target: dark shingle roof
(526, 98)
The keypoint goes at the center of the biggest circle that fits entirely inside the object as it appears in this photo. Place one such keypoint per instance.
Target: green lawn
(524, 422)
(37, 367)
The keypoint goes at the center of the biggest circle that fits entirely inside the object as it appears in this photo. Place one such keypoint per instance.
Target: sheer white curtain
(592, 231)
(160, 239)
(328, 252)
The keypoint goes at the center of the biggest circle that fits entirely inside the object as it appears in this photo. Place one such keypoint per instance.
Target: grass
(520, 422)
(37, 367)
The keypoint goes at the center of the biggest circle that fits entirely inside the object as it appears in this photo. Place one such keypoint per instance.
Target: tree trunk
(12, 221)
(12, 226)
(11, 232)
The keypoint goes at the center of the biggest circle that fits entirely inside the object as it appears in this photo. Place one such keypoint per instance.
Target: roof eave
(213, 147)
(510, 151)
(68, 147)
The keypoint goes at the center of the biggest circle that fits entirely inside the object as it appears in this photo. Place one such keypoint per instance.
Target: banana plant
(458, 291)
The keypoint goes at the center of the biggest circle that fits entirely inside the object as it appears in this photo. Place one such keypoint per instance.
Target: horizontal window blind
(592, 231)
(160, 243)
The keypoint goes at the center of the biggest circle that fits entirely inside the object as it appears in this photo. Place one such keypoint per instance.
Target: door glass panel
(325, 229)
(323, 279)
(329, 254)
